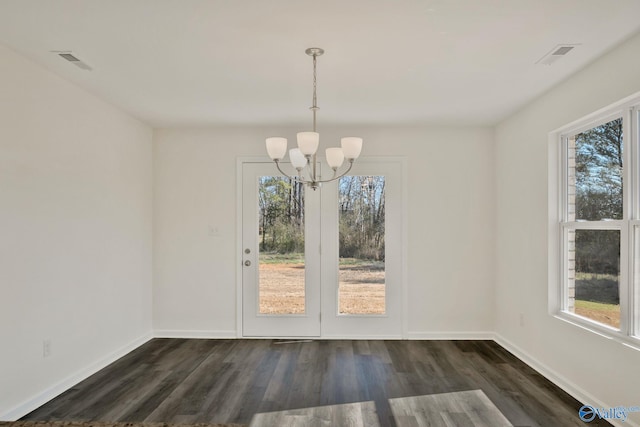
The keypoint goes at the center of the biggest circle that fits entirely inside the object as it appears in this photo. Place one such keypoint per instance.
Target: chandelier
(305, 155)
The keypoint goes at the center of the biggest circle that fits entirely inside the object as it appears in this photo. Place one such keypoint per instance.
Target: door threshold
(292, 341)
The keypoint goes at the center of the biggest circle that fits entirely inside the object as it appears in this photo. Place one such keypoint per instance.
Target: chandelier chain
(314, 107)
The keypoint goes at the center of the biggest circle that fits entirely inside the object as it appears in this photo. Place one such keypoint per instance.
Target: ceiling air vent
(73, 59)
(556, 53)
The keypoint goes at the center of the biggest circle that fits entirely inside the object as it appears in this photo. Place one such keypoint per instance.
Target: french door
(362, 252)
(324, 263)
(280, 255)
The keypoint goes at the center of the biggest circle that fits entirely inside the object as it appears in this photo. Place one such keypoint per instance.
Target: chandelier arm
(313, 181)
(334, 174)
(297, 178)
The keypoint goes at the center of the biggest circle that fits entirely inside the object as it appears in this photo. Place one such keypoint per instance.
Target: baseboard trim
(566, 385)
(222, 334)
(199, 334)
(481, 335)
(57, 389)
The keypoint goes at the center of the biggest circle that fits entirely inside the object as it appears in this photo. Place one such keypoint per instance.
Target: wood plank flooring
(205, 381)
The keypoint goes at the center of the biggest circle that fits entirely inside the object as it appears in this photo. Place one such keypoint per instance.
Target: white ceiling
(242, 62)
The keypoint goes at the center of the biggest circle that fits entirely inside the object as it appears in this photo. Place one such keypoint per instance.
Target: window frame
(628, 226)
(634, 224)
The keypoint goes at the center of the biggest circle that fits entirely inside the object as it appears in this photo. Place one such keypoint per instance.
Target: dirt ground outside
(609, 314)
(361, 290)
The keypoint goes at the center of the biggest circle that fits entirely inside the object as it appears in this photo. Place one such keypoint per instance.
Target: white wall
(450, 214)
(75, 233)
(598, 368)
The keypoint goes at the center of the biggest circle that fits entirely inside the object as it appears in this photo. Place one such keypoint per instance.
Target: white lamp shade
(351, 147)
(298, 160)
(308, 142)
(335, 157)
(276, 147)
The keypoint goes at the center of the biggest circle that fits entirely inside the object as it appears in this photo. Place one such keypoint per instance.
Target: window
(598, 227)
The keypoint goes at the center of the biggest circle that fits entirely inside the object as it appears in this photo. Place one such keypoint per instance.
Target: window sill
(599, 329)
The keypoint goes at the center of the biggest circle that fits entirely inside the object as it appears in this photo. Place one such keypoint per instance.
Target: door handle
(247, 263)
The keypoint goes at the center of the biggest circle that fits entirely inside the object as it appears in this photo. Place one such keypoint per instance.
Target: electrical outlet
(214, 231)
(46, 348)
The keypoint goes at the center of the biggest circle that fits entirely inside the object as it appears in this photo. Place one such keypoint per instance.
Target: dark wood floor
(194, 381)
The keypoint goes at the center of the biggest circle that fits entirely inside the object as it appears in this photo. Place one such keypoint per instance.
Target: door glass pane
(595, 173)
(281, 245)
(597, 275)
(361, 207)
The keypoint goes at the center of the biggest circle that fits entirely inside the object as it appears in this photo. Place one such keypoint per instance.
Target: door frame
(404, 297)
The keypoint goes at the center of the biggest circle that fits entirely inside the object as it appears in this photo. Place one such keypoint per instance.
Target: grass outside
(598, 297)
(273, 258)
(361, 289)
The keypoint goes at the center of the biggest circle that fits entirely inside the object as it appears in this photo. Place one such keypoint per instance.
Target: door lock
(247, 263)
